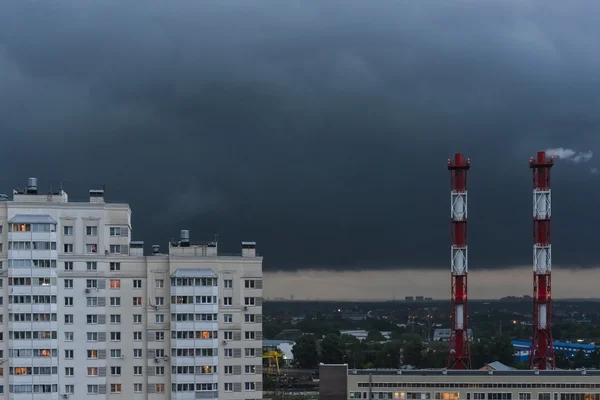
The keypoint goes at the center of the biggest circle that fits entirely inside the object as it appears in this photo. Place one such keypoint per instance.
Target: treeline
(402, 350)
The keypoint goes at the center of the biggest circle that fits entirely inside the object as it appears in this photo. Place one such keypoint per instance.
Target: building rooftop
(442, 372)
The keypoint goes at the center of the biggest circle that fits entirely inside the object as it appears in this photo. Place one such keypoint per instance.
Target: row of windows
(470, 396)
(32, 353)
(92, 230)
(193, 387)
(482, 385)
(32, 299)
(194, 334)
(93, 248)
(227, 283)
(33, 388)
(29, 281)
(32, 227)
(33, 370)
(28, 335)
(31, 245)
(194, 300)
(181, 317)
(248, 386)
(93, 266)
(35, 317)
(19, 263)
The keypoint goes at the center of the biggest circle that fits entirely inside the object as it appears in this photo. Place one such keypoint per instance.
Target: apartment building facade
(85, 313)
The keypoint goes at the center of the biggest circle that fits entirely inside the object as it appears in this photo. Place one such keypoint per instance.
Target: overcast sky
(320, 129)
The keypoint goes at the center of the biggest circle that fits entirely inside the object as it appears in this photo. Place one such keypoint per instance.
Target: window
(91, 283)
(69, 264)
(91, 230)
(137, 370)
(227, 301)
(68, 248)
(115, 353)
(68, 302)
(159, 301)
(115, 249)
(250, 352)
(250, 335)
(249, 284)
(227, 318)
(115, 301)
(92, 389)
(137, 336)
(228, 353)
(250, 386)
(159, 336)
(115, 319)
(524, 396)
(249, 301)
(137, 353)
(92, 266)
(228, 283)
(250, 369)
(68, 283)
(228, 387)
(159, 318)
(115, 284)
(92, 336)
(92, 354)
(137, 283)
(115, 336)
(137, 301)
(69, 336)
(159, 283)
(68, 318)
(92, 319)
(69, 371)
(228, 370)
(115, 266)
(115, 388)
(137, 318)
(68, 230)
(92, 302)
(160, 388)
(115, 371)
(249, 317)
(138, 388)
(115, 231)
(228, 335)
(69, 354)
(69, 389)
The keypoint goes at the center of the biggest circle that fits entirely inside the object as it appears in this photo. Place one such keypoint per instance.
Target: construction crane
(273, 361)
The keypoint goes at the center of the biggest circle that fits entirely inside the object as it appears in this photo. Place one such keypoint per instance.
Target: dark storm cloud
(319, 129)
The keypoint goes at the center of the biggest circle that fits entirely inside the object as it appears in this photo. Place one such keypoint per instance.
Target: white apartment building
(87, 315)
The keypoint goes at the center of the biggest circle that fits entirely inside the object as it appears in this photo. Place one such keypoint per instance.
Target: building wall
(118, 307)
(473, 385)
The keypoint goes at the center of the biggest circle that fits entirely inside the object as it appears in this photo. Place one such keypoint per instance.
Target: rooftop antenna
(61, 187)
(216, 238)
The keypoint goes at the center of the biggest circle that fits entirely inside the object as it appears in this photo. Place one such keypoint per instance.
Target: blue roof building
(567, 349)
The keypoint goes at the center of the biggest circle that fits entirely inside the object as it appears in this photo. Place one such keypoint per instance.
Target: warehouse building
(340, 383)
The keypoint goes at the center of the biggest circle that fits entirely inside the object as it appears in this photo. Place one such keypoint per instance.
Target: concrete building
(86, 313)
(443, 334)
(340, 383)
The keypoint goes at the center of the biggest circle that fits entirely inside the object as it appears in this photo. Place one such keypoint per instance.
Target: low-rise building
(338, 382)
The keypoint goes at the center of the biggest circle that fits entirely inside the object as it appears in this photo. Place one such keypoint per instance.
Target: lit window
(115, 284)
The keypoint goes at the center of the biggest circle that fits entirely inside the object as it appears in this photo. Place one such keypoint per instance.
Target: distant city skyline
(386, 284)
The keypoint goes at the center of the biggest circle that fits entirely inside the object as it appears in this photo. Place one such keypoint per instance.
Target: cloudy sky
(320, 129)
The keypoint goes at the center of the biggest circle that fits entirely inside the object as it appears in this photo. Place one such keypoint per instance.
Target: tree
(413, 353)
(305, 352)
(331, 352)
(501, 349)
(375, 336)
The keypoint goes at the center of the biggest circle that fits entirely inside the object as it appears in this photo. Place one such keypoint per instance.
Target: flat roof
(472, 372)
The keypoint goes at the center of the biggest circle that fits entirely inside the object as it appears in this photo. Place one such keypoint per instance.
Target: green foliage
(331, 350)
(305, 352)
